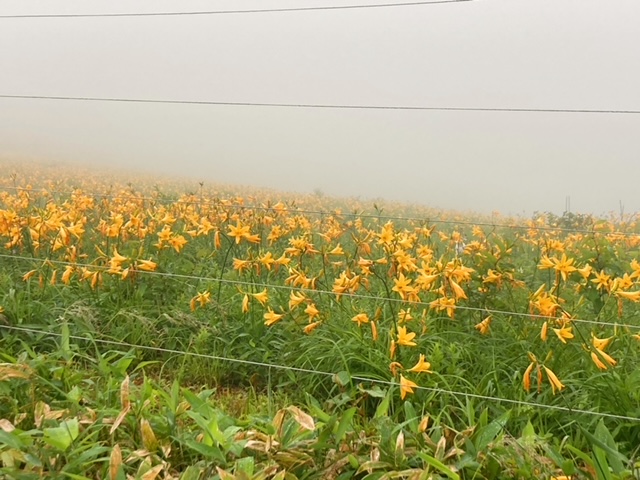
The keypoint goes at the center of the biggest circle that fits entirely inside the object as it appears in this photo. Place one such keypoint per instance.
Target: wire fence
(335, 213)
(442, 391)
(356, 296)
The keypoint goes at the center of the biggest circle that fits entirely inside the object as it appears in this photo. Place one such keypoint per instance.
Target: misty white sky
(490, 53)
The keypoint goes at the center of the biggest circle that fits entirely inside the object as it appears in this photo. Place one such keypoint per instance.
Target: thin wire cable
(227, 12)
(319, 372)
(425, 219)
(326, 106)
(321, 292)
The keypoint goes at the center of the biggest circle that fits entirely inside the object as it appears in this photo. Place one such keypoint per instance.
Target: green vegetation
(147, 335)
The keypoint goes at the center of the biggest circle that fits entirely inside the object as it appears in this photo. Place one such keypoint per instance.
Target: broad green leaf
(438, 465)
(61, 437)
(11, 440)
(383, 408)
(342, 378)
(489, 433)
(528, 436)
(345, 423)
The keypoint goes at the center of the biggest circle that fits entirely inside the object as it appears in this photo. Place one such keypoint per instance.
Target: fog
(574, 54)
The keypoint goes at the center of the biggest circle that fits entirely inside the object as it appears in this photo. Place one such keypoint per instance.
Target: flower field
(375, 341)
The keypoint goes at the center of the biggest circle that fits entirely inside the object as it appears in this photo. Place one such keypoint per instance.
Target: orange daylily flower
(406, 386)
(404, 338)
(422, 366)
(556, 385)
(360, 319)
(271, 317)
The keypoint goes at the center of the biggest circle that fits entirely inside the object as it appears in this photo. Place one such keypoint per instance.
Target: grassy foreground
(159, 330)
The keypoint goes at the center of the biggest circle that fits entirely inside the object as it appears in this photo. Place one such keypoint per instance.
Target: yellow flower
(457, 290)
(602, 280)
(633, 296)
(556, 385)
(600, 343)
(546, 263)
(267, 260)
(526, 379)
(271, 317)
(147, 265)
(66, 275)
(406, 386)
(117, 257)
(245, 303)
(312, 311)
(404, 315)
(563, 333)
(336, 251)
(483, 326)
(596, 357)
(374, 331)
(543, 331)
(394, 367)
(28, 275)
(424, 423)
(239, 231)
(360, 319)
(262, 297)
(312, 326)
(404, 338)
(402, 286)
(422, 366)
(444, 303)
(585, 271)
(201, 298)
(564, 266)
(392, 349)
(178, 242)
(295, 299)
(241, 265)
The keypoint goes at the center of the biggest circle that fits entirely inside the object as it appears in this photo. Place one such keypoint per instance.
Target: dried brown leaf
(119, 420)
(153, 473)
(303, 419)
(115, 462)
(6, 425)
(125, 402)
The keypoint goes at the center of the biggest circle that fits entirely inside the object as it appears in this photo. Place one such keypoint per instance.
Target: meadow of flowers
(493, 346)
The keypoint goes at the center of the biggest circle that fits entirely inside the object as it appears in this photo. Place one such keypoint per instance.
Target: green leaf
(61, 437)
(342, 378)
(345, 423)
(11, 440)
(528, 436)
(615, 458)
(437, 464)
(74, 476)
(375, 392)
(580, 454)
(245, 465)
(383, 408)
(411, 417)
(191, 473)
(489, 433)
(605, 452)
(207, 450)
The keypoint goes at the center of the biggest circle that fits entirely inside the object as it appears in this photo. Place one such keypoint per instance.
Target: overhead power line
(223, 12)
(325, 106)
